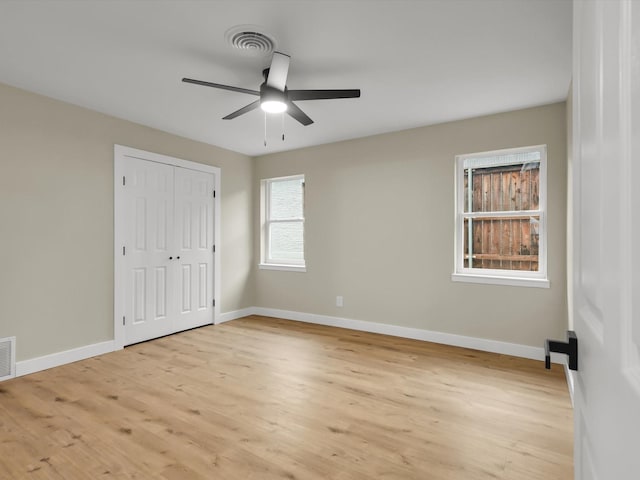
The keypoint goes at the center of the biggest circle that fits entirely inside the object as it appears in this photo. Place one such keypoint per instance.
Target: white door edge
(121, 153)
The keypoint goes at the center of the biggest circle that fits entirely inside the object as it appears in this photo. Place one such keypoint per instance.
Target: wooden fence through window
(511, 242)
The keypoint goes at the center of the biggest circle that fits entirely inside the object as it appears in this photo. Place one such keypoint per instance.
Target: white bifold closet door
(168, 249)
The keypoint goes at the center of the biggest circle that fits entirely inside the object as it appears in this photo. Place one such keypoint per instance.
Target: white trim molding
(57, 359)
(33, 365)
(284, 268)
(483, 344)
(464, 211)
(234, 315)
(496, 280)
(121, 153)
(267, 261)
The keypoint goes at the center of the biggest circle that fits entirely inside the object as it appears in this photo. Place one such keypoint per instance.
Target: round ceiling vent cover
(251, 39)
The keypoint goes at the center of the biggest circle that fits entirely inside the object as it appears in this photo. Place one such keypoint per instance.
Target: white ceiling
(416, 62)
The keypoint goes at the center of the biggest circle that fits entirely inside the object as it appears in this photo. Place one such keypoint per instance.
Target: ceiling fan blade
(298, 114)
(243, 110)
(278, 71)
(224, 87)
(322, 94)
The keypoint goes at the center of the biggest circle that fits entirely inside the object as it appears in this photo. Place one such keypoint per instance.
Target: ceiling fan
(274, 95)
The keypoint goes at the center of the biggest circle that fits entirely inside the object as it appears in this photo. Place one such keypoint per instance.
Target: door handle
(570, 348)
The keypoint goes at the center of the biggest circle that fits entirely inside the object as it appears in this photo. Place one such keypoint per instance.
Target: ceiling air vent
(251, 39)
(7, 358)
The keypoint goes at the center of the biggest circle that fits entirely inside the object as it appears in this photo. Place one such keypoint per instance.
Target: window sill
(285, 268)
(500, 280)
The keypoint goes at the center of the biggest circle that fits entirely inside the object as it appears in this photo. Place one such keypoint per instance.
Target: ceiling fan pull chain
(265, 129)
(282, 116)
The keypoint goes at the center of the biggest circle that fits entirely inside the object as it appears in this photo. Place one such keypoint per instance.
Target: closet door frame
(120, 155)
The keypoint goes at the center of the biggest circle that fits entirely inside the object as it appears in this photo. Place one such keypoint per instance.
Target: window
(282, 237)
(500, 217)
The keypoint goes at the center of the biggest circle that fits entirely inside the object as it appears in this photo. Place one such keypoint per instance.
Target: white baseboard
(483, 344)
(33, 365)
(228, 316)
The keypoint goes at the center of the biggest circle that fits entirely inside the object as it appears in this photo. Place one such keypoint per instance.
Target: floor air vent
(7, 358)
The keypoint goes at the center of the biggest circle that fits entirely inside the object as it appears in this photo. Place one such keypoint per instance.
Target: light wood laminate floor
(262, 398)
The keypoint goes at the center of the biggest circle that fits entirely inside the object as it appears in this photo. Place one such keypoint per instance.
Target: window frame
(266, 261)
(522, 278)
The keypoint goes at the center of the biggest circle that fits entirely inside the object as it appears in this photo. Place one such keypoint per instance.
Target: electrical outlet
(339, 301)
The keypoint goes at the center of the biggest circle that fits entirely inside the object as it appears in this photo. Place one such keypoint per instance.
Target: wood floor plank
(263, 398)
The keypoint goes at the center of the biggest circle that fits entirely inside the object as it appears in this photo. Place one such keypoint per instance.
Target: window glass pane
(504, 243)
(491, 186)
(286, 199)
(286, 241)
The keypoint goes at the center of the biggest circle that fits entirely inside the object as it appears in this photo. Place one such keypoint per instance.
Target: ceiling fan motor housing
(270, 94)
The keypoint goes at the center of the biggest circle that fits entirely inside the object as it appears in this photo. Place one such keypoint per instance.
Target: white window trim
(282, 267)
(500, 277)
(267, 263)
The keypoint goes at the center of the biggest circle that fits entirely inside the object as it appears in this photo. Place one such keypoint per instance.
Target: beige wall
(379, 231)
(56, 219)
(379, 226)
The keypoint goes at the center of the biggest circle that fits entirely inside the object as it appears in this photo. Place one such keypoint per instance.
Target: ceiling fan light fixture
(273, 106)
(272, 100)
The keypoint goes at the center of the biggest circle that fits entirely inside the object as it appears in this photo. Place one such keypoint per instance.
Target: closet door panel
(194, 237)
(148, 202)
